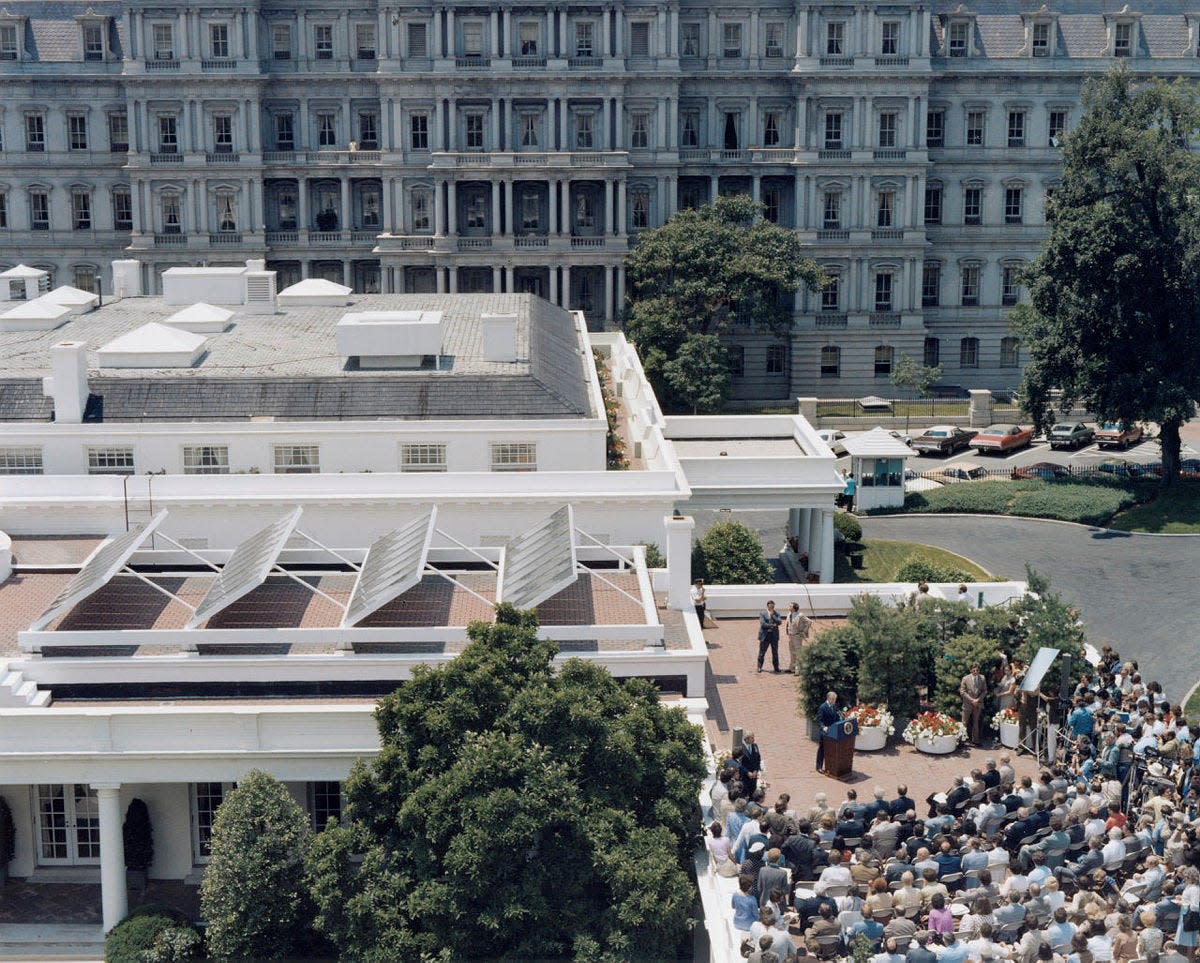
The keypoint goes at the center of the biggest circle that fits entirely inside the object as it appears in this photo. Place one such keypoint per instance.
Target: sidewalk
(766, 704)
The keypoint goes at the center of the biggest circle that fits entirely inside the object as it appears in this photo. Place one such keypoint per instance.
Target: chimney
(68, 383)
(260, 292)
(256, 264)
(127, 278)
(499, 337)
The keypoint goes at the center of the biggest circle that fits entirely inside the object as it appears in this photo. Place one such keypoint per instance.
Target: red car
(1112, 435)
(1002, 438)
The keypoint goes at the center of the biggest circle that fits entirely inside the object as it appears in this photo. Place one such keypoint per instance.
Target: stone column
(302, 202)
(553, 284)
(495, 225)
(552, 196)
(826, 547)
(609, 226)
(980, 410)
(679, 561)
(436, 48)
(804, 532)
(606, 33)
(608, 293)
(566, 286)
(347, 216)
(496, 279)
(621, 206)
(510, 222)
(453, 276)
(452, 209)
(114, 897)
(451, 40)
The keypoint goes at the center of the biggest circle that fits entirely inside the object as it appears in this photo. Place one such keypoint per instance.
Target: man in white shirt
(832, 877)
(1094, 825)
(1114, 849)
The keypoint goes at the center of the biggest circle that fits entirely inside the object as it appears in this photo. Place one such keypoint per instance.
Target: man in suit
(751, 763)
(901, 804)
(768, 635)
(827, 715)
(991, 775)
(972, 688)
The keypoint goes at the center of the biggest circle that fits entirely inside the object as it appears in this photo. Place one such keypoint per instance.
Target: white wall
(20, 802)
(170, 818)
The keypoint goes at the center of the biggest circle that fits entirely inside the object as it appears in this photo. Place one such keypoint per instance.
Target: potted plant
(875, 724)
(1007, 723)
(935, 733)
(139, 843)
(8, 839)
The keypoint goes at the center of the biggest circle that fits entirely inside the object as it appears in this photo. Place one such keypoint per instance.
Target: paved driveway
(1141, 593)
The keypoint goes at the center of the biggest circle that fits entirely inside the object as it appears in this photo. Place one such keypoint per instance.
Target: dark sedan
(943, 440)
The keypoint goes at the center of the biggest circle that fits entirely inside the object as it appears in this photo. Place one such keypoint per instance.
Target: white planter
(1009, 734)
(870, 738)
(937, 745)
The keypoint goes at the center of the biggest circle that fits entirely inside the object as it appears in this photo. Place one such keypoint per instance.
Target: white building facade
(404, 147)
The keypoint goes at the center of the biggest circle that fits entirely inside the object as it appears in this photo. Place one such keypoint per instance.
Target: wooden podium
(839, 748)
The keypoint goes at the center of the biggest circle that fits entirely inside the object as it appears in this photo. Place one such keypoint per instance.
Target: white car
(833, 438)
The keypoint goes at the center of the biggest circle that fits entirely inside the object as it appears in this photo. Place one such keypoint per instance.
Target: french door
(68, 825)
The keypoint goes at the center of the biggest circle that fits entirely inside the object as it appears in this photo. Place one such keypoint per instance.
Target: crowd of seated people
(1095, 859)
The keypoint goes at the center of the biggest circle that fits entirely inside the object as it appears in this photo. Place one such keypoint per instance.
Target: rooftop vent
(216, 285)
(200, 318)
(260, 292)
(23, 283)
(390, 339)
(79, 301)
(315, 292)
(127, 278)
(36, 315)
(153, 345)
(67, 383)
(499, 337)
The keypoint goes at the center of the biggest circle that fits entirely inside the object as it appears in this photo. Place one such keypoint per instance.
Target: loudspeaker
(1064, 689)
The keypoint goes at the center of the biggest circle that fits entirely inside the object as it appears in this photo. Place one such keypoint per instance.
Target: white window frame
(423, 457)
(731, 40)
(1039, 38)
(92, 31)
(773, 34)
(77, 132)
(829, 361)
(22, 461)
(219, 47)
(969, 286)
(885, 209)
(206, 459)
(584, 36)
(835, 38)
(639, 130)
(888, 128)
(10, 44)
(884, 291)
(958, 38)
(297, 459)
(81, 209)
(111, 460)
(1014, 204)
(889, 38)
(281, 41)
(39, 209)
(122, 209)
(1010, 284)
(201, 841)
(831, 292)
(473, 38)
(163, 40)
(366, 44)
(513, 455)
(318, 790)
(323, 44)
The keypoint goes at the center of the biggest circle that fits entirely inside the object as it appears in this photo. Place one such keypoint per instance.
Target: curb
(1028, 518)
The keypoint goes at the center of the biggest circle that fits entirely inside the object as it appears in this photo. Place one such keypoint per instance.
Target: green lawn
(1191, 708)
(882, 559)
(1175, 513)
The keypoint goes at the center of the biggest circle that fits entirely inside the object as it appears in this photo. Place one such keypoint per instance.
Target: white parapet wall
(833, 600)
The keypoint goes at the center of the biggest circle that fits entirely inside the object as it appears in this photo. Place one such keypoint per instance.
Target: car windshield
(938, 434)
(996, 430)
(1065, 429)
(1109, 426)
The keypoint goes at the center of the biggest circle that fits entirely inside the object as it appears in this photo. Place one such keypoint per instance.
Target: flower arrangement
(872, 716)
(930, 725)
(1005, 717)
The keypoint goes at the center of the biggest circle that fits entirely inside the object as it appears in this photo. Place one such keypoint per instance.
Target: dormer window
(94, 47)
(1041, 40)
(164, 41)
(1122, 39)
(957, 38)
(9, 50)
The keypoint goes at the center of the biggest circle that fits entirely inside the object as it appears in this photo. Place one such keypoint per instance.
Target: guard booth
(877, 459)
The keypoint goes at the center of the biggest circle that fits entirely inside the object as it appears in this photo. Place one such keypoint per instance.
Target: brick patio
(767, 705)
(22, 901)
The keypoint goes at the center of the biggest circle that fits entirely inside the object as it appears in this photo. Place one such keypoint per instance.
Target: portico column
(496, 279)
(794, 523)
(679, 561)
(510, 225)
(826, 547)
(452, 208)
(114, 897)
(608, 293)
(553, 198)
(566, 287)
(805, 531)
(553, 284)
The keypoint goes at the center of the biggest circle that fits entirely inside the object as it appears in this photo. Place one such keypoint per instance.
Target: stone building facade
(521, 147)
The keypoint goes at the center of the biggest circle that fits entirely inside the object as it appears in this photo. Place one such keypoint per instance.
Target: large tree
(515, 811)
(1114, 313)
(705, 271)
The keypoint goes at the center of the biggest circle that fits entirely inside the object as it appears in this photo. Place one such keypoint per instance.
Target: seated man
(823, 925)
(834, 876)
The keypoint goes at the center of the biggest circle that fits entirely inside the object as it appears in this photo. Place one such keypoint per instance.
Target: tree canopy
(705, 271)
(1114, 313)
(515, 812)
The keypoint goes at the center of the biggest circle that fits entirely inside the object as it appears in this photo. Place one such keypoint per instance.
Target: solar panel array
(539, 563)
(98, 568)
(248, 567)
(395, 563)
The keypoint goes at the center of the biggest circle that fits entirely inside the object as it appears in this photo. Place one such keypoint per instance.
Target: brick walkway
(25, 902)
(767, 705)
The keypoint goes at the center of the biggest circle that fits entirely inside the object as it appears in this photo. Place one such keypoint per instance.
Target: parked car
(1041, 469)
(901, 436)
(948, 391)
(953, 474)
(1112, 435)
(1002, 438)
(942, 440)
(833, 438)
(1188, 468)
(1121, 468)
(1070, 434)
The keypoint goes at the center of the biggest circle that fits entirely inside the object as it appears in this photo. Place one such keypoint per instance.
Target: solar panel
(395, 563)
(248, 567)
(98, 568)
(539, 563)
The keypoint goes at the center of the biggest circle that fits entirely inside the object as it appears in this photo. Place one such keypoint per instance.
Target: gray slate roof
(52, 34)
(286, 366)
(1081, 30)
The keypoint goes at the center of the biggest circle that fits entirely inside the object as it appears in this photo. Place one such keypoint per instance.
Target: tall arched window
(968, 353)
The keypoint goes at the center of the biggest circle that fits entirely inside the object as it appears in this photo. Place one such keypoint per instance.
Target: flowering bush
(934, 724)
(1004, 717)
(872, 716)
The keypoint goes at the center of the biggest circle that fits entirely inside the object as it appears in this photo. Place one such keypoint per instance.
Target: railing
(414, 242)
(584, 63)
(918, 407)
(833, 234)
(587, 242)
(695, 154)
(534, 240)
(224, 239)
(473, 62)
(884, 319)
(480, 159)
(773, 155)
(831, 321)
(832, 153)
(222, 64)
(837, 61)
(363, 237)
(528, 160)
(326, 237)
(170, 240)
(890, 153)
(172, 64)
(221, 157)
(887, 234)
(283, 238)
(279, 157)
(474, 243)
(161, 158)
(528, 63)
(735, 155)
(343, 156)
(891, 61)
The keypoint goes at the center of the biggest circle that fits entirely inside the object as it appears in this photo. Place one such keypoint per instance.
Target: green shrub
(729, 553)
(848, 525)
(895, 656)
(1087, 504)
(654, 556)
(920, 568)
(957, 657)
(135, 935)
(176, 944)
(8, 834)
(828, 664)
(139, 836)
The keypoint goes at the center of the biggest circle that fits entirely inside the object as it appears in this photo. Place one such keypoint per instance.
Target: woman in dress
(1189, 901)
(719, 846)
(1006, 688)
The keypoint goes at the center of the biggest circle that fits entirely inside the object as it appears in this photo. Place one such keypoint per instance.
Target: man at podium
(827, 715)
